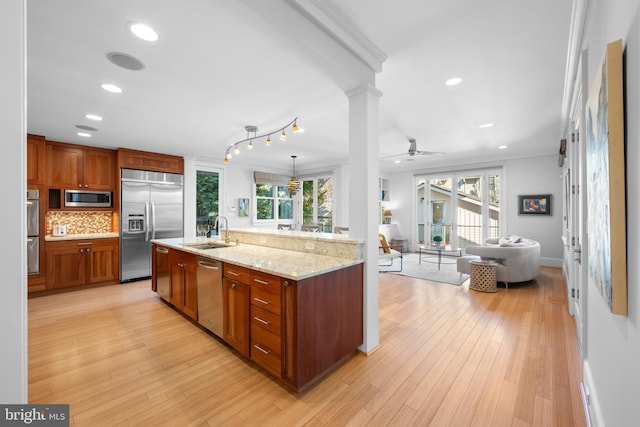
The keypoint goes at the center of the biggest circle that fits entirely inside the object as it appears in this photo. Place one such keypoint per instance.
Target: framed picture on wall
(538, 204)
(243, 207)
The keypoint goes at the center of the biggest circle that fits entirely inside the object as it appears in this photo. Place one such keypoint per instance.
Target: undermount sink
(209, 245)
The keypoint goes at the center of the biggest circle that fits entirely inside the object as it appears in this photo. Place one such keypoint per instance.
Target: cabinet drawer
(266, 349)
(265, 299)
(266, 282)
(265, 319)
(240, 274)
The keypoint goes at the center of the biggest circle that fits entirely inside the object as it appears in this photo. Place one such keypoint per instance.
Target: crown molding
(333, 24)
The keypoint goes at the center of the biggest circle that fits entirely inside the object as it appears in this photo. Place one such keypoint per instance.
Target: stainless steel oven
(33, 234)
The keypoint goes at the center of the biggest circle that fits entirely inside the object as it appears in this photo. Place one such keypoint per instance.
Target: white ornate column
(363, 198)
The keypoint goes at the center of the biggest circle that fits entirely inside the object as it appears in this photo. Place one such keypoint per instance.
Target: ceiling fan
(413, 151)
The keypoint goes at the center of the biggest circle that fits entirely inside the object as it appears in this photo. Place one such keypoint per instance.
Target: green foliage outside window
(207, 196)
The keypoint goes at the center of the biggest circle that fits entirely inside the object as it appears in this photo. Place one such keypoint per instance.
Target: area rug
(428, 269)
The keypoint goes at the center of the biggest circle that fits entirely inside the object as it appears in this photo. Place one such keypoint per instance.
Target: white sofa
(518, 258)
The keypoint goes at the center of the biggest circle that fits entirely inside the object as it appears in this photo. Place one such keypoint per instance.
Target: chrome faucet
(226, 228)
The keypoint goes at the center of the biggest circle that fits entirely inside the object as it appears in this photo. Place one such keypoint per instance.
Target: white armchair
(518, 258)
(387, 255)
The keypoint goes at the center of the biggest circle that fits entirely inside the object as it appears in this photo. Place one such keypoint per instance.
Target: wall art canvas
(606, 215)
(243, 207)
(539, 204)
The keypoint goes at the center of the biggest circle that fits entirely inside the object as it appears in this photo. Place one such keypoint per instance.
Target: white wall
(13, 288)
(534, 175)
(612, 364)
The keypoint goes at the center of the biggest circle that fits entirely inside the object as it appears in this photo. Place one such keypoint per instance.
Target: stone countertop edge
(281, 262)
(51, 238)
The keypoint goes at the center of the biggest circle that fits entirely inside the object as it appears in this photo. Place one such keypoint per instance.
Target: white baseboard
(551, 262)
(592, 404)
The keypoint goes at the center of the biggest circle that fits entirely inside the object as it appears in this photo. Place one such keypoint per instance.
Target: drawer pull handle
(260, 300)
(162, 250)
(265, 322)
(262, 349)
(262, 282)
(233, 273)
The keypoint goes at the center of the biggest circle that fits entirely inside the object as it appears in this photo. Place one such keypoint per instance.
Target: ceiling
(220, 65)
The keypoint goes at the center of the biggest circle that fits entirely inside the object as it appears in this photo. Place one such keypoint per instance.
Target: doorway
(459, 209)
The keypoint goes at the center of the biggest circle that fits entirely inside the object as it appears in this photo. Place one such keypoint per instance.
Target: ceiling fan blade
(393, 155)
(430, 153)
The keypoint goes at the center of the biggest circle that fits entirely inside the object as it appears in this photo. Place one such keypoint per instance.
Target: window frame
(276, 199)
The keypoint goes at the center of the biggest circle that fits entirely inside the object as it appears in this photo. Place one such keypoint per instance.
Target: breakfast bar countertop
(290, 264)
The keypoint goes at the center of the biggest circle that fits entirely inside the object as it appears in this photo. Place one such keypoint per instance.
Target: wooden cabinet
(144, 160)
(71, 166)
(160, 271)
(297, 330)
(183, 284)
(81, 262)
(35, 160)
(266, 322)
(235, 301)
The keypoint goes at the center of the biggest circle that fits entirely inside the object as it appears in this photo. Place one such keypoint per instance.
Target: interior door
(578, 273)
(578, 214)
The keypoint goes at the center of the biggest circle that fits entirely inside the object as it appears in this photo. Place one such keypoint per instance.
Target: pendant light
(293, 185)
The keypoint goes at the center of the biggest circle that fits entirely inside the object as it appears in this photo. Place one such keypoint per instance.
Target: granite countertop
(285, 263)
(51, 238)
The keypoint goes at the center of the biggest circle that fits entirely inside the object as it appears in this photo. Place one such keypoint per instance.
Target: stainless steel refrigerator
(151, 207)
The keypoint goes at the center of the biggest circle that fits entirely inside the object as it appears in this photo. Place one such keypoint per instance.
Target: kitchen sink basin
(209, 245)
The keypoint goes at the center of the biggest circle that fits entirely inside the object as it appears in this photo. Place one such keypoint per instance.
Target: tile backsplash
(80, 222)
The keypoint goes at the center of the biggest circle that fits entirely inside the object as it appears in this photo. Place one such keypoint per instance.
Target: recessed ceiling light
(84, 134)
(93, 117)
(502, 147)
(486, 125)
(453, 81)
(143, 31)
(396, 161)
(111, 88)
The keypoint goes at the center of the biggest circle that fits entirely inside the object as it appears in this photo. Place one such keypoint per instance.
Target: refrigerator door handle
(153, 220)
(146, 217)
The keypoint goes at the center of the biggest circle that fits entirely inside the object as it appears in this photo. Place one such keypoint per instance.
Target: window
(317, 202)
(461, 207)
(207, 199)
(270, 196)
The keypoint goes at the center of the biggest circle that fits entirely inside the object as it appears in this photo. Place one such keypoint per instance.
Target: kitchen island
(292, 303)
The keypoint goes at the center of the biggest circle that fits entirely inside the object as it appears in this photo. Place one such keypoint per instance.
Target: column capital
(365, 88)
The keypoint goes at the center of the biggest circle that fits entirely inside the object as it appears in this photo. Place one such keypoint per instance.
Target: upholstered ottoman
(464, 263)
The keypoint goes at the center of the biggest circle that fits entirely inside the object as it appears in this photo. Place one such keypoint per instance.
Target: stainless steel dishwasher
(209, 284)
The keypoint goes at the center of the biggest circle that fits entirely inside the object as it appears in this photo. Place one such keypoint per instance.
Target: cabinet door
(99, 167)
(236, 315)
(66, 265)
(103, 260)
(176, 273)
(35, 160)
(64, 166)
(160, 277)
(190, 301)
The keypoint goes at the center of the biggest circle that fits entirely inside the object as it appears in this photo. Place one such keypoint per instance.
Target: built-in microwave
(87, 199)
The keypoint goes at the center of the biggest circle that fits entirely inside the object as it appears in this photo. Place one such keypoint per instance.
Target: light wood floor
(448, 356)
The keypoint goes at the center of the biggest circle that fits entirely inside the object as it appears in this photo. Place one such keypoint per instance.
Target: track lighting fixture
(252, 133)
